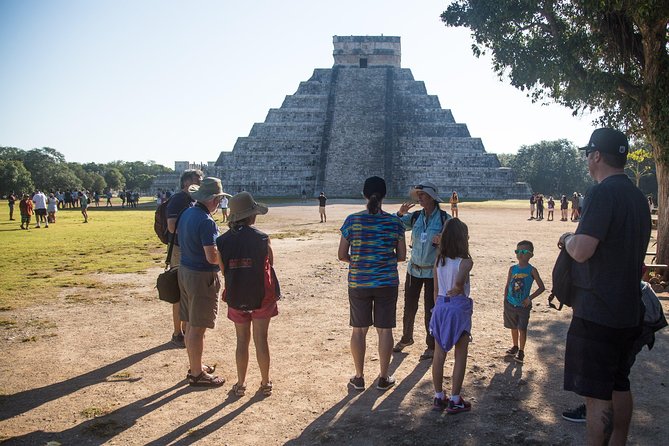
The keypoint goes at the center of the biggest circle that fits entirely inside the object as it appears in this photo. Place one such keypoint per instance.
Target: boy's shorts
(373, 306)
(516, 317)
(598, 359)
(268, 309)
(200, 292)
(25, 218)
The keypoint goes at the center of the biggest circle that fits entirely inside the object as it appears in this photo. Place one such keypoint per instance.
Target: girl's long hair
(374, 203)
(454, 241)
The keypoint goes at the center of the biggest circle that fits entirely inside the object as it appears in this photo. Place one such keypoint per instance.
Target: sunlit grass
(38, 263)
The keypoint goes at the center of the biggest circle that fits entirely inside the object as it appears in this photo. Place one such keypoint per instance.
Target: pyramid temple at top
(364, 116)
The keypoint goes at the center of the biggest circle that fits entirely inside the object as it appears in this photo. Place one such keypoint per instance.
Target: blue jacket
(423, 252)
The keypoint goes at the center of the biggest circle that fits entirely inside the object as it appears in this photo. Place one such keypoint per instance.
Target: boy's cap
(608, 140)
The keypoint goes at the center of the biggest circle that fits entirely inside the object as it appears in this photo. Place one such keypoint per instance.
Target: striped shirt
(373, 239)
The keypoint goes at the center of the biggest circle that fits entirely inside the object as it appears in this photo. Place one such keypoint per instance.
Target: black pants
(412, 287)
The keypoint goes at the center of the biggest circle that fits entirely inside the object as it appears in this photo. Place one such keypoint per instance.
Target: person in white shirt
(40, 208)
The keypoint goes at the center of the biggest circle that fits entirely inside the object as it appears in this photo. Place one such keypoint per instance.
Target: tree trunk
(663, 216)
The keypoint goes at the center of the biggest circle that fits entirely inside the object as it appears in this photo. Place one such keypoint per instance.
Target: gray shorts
(516, 317)
(373, 306)
(200, 293)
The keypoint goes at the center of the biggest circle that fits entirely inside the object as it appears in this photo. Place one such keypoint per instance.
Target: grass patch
(93, 412)
(4, 323)
(42, 262)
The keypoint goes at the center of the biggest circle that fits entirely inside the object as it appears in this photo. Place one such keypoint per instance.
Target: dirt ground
(95, 366)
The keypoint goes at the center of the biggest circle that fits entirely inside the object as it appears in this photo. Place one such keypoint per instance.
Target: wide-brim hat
(428, 187)
(208, 189)
(242, 205)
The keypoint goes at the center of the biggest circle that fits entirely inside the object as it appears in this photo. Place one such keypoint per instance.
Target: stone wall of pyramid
(349, 122)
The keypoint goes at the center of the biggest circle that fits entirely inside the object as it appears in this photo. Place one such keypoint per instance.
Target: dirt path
(94, 367)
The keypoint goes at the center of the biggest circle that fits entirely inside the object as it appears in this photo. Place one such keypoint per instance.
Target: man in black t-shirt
(321, 207)
(608, 248)
(177, 204)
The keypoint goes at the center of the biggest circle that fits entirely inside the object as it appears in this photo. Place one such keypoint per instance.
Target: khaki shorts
(321, 210)
(200, 293)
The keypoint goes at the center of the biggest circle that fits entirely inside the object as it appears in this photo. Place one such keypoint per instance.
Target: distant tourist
(372, 242)
(533, 201)
(426, 226)
(199, 276)
(304, 195)
(83, 202)
(109, 199)
(551, 208)
(321, 207)
(251, 291)
(454, 204)
(540, 206)
(26, 210)
(564, 208)
(40, 209)
(224, 208)
(11, 200)
(51, 208)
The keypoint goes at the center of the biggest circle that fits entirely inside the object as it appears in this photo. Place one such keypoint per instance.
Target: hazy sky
(166, 80)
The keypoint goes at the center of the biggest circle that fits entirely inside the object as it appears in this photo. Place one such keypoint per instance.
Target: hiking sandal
(205, 368)
(239, 389)
(266, 389)
(205, 380)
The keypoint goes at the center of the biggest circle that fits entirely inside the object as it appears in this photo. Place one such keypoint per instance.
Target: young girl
(251, 291)
(454, 204)
(451, 321)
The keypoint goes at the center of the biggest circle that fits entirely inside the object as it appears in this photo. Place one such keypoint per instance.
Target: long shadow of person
(18, 403)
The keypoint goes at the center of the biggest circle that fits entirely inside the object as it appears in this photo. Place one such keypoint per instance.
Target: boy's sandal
(205, 368)
(239, 389)
(205, 380)
(266, 389)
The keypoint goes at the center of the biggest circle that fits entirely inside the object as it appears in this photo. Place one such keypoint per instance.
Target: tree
(639, 164)
(14, 177)
(605, 56)
(99, 184)
(12, 153)
(552, 167)
(114, 179)
(49, 171)
(506, 159)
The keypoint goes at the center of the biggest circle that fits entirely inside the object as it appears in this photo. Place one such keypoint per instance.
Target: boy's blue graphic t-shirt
(519, 285)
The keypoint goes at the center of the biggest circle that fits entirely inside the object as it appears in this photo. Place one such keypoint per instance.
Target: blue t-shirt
(196, 230)
(519, 285)
(373, 239)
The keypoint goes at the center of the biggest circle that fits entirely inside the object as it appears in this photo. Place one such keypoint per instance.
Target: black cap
(374, 185)
(608, 140)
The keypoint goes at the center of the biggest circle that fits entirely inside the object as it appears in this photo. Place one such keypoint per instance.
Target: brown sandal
(205, 380)
(239, 389)
(266, 389)
(205, 368)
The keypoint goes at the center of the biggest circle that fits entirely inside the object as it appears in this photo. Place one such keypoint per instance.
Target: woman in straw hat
(199, 276)
(372, 242)
(251, 290)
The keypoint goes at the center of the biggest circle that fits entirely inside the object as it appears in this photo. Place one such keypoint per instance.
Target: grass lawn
(37, 263)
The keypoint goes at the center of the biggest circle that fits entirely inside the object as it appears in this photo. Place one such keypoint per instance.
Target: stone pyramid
(364, 116)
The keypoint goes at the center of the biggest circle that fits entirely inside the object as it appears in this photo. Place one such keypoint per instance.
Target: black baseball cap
(374, 185)
(607, 140)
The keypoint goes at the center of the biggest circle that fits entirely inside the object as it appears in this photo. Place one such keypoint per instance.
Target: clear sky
(167, 80)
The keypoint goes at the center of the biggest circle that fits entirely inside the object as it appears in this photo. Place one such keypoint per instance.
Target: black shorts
(373, 306)
(598, 359)
(40, 211)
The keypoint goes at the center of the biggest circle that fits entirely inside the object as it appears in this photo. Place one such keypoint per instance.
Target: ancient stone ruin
(364, 116)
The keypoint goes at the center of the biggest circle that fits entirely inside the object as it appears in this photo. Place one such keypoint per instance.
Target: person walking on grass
(26, 210)
(40, 209)
(51, 208)
(11, 201)
(426, 226)
(251, 290)
(200, 277)
(178, 203)
(372, 242)
(451, 321)
(518, 300)
(321, 207)
(83, 202)
(608, 249)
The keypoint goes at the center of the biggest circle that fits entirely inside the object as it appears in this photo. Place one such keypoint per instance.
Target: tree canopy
(610, 57)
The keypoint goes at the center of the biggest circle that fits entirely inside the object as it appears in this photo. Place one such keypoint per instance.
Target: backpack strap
(171, 247)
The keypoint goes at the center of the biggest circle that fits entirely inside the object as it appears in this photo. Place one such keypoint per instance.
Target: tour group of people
(539, 203)
(607, 249)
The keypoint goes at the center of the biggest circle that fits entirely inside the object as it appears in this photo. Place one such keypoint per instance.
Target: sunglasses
(523, 251)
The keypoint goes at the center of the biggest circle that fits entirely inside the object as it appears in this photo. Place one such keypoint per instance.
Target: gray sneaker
(178, 340)
(385, 383)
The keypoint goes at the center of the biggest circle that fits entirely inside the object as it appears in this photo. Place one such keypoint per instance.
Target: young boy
(518, 300)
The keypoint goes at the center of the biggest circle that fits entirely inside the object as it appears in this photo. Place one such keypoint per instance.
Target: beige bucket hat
(208, 189)
(243, 205)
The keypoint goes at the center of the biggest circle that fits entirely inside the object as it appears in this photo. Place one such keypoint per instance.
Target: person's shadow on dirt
(21, 402)
(358, 416)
